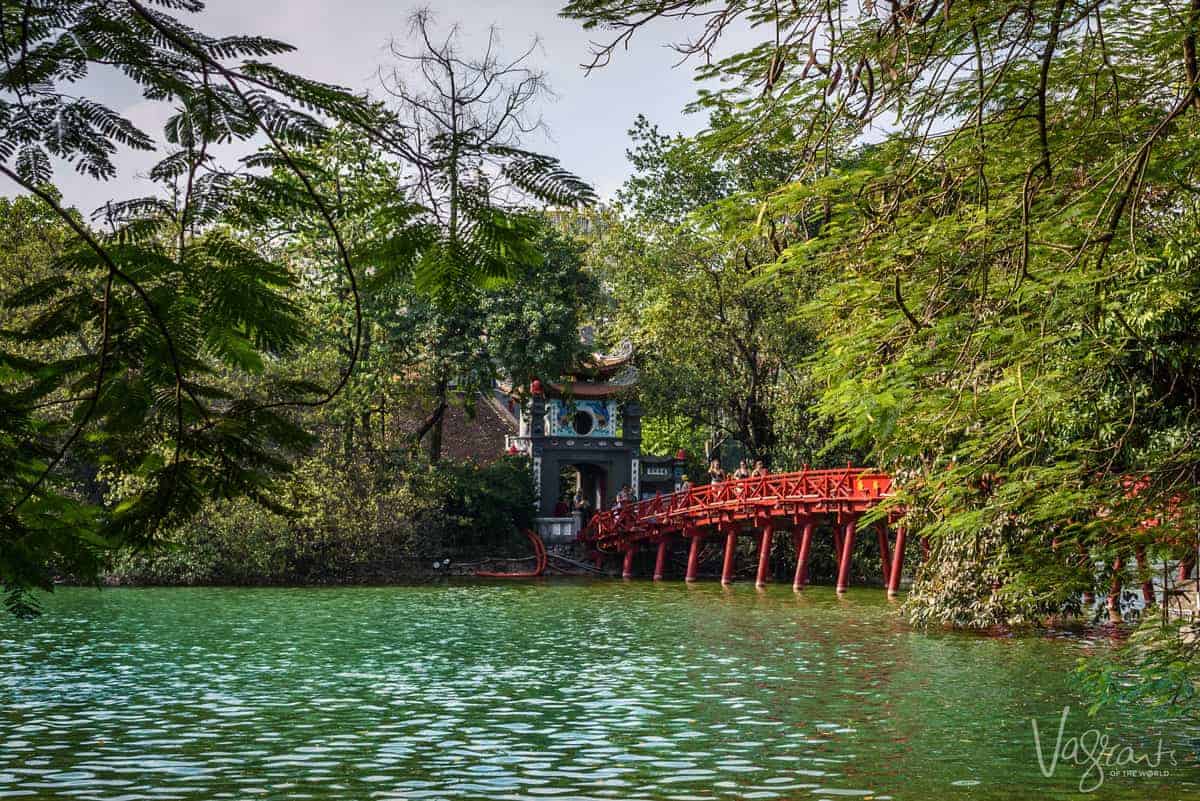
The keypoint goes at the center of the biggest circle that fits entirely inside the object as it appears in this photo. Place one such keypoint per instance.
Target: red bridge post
(730, 552)
(806, 536)
(693, 555)
(893, 586)
(660, 559)
(764, 553)
(627, 566)
(843, 581)
(885, 558)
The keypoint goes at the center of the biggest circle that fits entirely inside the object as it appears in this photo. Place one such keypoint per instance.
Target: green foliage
(416, 346)
(475, 181)
(347, 523)
(531, 325)
(672, 176)
(185, 347)
(487, 506)
(666, 435)
(997, 212)
(123, 350)
(1154, 668)
(686, 272)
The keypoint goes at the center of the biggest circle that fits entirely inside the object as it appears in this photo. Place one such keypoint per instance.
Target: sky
(346, 42)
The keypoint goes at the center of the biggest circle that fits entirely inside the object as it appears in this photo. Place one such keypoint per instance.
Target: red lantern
(536, 387)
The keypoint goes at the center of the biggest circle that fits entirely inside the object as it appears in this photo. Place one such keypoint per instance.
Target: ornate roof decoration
(586, 389)
(604, 365)
(600, 375)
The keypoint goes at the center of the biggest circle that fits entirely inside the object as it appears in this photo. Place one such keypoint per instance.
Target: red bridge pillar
(885, 557)
(843, 581)
(660, 559)
(894, 574)
(627, 566)
(730, 552)
(693, 565)
(764, 554)
(802, 551)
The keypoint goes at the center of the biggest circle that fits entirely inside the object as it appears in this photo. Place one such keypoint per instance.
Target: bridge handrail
(847, 483)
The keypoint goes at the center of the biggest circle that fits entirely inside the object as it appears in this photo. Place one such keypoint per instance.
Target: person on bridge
(743, 471)
(760, 470)
(715, 474)
(582, 508)
(685, 484)
(624, 497)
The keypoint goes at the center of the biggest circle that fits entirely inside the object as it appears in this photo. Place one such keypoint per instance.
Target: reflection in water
(565, 690)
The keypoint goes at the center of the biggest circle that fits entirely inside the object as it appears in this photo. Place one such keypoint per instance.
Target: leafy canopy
(999, 202)
(142, 344)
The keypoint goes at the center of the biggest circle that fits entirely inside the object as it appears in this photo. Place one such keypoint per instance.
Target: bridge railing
(671, 511)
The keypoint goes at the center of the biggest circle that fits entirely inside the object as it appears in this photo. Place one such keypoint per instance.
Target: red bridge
(754, 507)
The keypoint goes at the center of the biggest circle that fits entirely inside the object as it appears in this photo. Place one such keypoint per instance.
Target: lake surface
(588, 690)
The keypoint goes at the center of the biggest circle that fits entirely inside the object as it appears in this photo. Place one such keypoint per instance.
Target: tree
(164, 301)
(32, 238)
(688, 276)
(417, 345)
(476, 182)
(183, 323)
(673, 176)
(719, 347)
(515, 331)
(1007, 320)
(365, 197)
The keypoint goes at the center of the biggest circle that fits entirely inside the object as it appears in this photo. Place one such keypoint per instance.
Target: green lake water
(560, 690)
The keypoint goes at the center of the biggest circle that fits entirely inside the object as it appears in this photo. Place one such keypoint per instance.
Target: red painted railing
(808, 492)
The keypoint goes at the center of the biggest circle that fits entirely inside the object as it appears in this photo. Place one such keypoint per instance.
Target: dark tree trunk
(367, 435)
(433, 424)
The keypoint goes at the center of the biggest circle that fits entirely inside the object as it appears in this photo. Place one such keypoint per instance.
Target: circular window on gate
(582, 422)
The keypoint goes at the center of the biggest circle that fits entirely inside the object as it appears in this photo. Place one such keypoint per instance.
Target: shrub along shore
(360, 524)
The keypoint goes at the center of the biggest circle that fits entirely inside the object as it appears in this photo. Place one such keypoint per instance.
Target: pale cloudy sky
(345, 42)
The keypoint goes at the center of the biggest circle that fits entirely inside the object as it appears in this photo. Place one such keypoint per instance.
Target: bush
(354, 524)
(487, 507)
